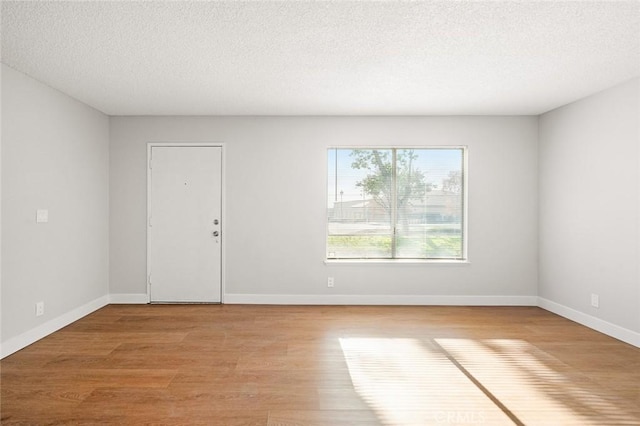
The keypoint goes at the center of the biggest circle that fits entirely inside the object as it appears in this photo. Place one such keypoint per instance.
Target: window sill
(396, 262)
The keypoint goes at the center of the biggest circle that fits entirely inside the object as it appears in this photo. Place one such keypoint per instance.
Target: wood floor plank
(322, 365)
(322, 417)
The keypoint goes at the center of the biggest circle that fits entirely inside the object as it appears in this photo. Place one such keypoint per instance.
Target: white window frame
(463, 259)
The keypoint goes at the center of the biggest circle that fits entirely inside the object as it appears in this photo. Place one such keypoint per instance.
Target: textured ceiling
(323, 58)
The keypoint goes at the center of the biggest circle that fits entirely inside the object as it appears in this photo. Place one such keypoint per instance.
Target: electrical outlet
(330, 282)
(39, 309)
(42, 216)
(595, 300)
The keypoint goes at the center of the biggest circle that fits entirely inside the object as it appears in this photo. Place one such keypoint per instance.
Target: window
(396, 203)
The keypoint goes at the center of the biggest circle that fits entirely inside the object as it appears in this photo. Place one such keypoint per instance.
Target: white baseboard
(129, 299)
(351, 299)
(25, 339)
(615, 331)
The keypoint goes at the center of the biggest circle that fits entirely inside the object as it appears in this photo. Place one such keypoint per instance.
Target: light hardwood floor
(333, 365)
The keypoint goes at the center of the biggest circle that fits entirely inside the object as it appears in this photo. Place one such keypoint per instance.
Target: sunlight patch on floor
(534, 385)
(406, 382)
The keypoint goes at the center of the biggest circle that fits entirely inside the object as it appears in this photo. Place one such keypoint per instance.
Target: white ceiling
(323, 58)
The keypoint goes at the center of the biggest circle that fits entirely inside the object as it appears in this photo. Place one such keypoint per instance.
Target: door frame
(220, 145)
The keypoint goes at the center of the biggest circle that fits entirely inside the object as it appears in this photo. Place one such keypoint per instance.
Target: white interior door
(184, 246)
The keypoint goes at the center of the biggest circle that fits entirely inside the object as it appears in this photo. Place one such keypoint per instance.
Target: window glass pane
(430, 203)
(395, 203)
(359, 204)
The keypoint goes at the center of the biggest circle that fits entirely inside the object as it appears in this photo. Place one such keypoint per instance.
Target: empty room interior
(270, 213)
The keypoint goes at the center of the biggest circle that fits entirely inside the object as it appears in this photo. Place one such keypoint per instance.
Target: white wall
(275, 206)
(54, 156)
(589, 213)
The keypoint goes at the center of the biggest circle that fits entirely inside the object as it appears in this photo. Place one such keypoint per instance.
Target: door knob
(216, 233)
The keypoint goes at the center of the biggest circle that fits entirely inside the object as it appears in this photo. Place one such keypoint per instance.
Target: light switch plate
(42, 216)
